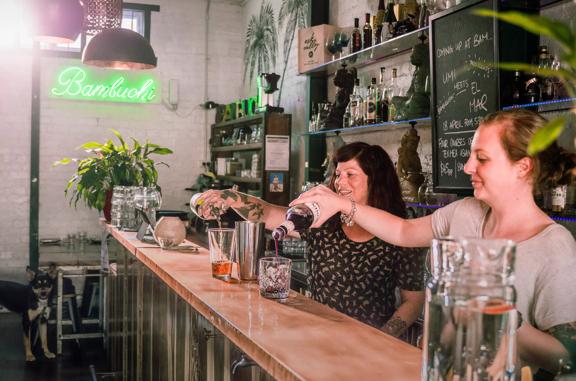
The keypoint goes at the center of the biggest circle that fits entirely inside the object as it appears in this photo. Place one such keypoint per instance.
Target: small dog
(32, 302)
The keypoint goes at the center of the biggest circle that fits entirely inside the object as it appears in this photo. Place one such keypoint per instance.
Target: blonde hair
(552, 166)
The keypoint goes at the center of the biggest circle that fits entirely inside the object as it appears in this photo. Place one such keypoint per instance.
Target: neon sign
(81, 84)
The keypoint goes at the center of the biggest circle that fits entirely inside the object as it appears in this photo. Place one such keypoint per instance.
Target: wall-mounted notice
(277, 153)
(465, 88)
(82, 83)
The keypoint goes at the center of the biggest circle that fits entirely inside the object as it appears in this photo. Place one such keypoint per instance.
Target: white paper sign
(277, 153)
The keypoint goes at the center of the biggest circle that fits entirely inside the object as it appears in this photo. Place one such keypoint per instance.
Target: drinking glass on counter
(222, 244)
(274, 277)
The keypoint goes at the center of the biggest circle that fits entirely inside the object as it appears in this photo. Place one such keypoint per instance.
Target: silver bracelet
(348, 218)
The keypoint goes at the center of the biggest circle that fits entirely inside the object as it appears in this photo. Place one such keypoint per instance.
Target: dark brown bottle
(382, 101)
(516, 89)
(356, 37)
(367, 30)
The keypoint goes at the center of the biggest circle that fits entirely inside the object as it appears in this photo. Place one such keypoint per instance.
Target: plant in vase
(108, 165)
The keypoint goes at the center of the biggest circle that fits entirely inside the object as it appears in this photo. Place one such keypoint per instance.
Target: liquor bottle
(379, 23)
(298, 218)
(356, 36)
(375, 35)
(532, 90)
(383, 103)
(392, 92)
(367, 31)
(400, 10)
(390, 21)
(371, 103)
(559, 198)
(547, 86)
(516, 91)
(356, 104)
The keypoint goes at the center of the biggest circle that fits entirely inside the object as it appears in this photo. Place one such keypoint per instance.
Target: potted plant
(565, 37)
(108, 165)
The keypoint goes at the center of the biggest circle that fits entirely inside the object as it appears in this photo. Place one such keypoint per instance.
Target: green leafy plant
(566, 39)
(108, 165)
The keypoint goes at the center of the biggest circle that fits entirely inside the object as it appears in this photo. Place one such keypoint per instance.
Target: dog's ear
(30, 273)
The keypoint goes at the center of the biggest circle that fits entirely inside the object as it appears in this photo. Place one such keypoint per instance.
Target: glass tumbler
(222, 244)
(274, 277)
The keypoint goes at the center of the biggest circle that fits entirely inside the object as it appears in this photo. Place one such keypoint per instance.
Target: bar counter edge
(298, 339)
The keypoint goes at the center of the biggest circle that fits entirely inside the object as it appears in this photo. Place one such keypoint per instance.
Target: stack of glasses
(123, 213)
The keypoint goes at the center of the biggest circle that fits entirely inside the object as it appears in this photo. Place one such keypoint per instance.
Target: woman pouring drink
(504, 178)
(350, 269)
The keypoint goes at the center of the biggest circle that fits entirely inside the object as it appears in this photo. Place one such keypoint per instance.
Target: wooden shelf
(252, 119)
(240, 147)
(374, 127)
(238, 179)
(372, 54)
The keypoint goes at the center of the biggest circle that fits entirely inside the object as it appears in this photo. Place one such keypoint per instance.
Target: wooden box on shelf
(312, 46)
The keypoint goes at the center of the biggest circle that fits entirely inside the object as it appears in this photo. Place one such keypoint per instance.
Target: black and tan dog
(32, 302)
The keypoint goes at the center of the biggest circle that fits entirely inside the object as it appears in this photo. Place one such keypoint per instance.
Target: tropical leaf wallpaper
(263, 32)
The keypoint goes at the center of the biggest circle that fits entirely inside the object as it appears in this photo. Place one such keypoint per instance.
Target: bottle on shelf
(400, 9)
(375, 36)
(391, 93)
(558, 198)
(516, 89)
(298, 218)
(390, 22)
(383, 101)
(356, 105)
(547, 85)
(372, 103)
(367, 32)
(558, 87)
(379, 22)
(532, 90)
(356, 37)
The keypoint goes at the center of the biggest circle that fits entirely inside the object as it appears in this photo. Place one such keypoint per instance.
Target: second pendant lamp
(119, 48)
(113, 47)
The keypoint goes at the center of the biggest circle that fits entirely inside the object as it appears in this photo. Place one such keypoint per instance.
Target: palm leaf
(261, 42)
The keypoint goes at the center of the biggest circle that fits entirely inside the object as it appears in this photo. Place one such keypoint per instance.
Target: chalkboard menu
(464, 88)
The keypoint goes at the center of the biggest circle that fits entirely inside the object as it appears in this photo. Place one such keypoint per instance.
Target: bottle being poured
(299, 218)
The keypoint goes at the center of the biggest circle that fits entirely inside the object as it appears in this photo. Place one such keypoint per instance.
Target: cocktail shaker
(250, 246)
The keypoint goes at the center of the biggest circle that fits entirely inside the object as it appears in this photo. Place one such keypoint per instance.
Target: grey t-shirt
(545, 263)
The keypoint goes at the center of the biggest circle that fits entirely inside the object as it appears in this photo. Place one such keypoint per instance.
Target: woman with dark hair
(349, 269)
(505, 179)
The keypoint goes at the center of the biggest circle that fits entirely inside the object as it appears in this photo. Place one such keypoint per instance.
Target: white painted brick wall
(15, 70)
(178, 32)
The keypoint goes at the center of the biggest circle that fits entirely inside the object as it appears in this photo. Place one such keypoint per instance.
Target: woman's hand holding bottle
(327, 200)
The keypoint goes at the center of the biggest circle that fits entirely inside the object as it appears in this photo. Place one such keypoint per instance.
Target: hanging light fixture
(57, 21)
(112, 46)
(119, 49)
(101, 14)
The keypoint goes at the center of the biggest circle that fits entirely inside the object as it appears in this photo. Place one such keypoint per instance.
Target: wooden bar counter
(298, 339)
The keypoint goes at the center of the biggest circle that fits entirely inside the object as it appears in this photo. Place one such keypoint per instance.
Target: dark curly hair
(552, 167)
(383, 184)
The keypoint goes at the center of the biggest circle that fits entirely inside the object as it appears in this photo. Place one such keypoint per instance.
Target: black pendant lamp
(57, 21)
(119, 48)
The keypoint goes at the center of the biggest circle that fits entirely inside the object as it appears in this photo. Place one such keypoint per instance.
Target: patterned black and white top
(360, 278)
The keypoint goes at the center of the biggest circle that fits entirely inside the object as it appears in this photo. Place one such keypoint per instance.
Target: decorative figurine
(417, 104)
(344, 80)
(409, 168)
